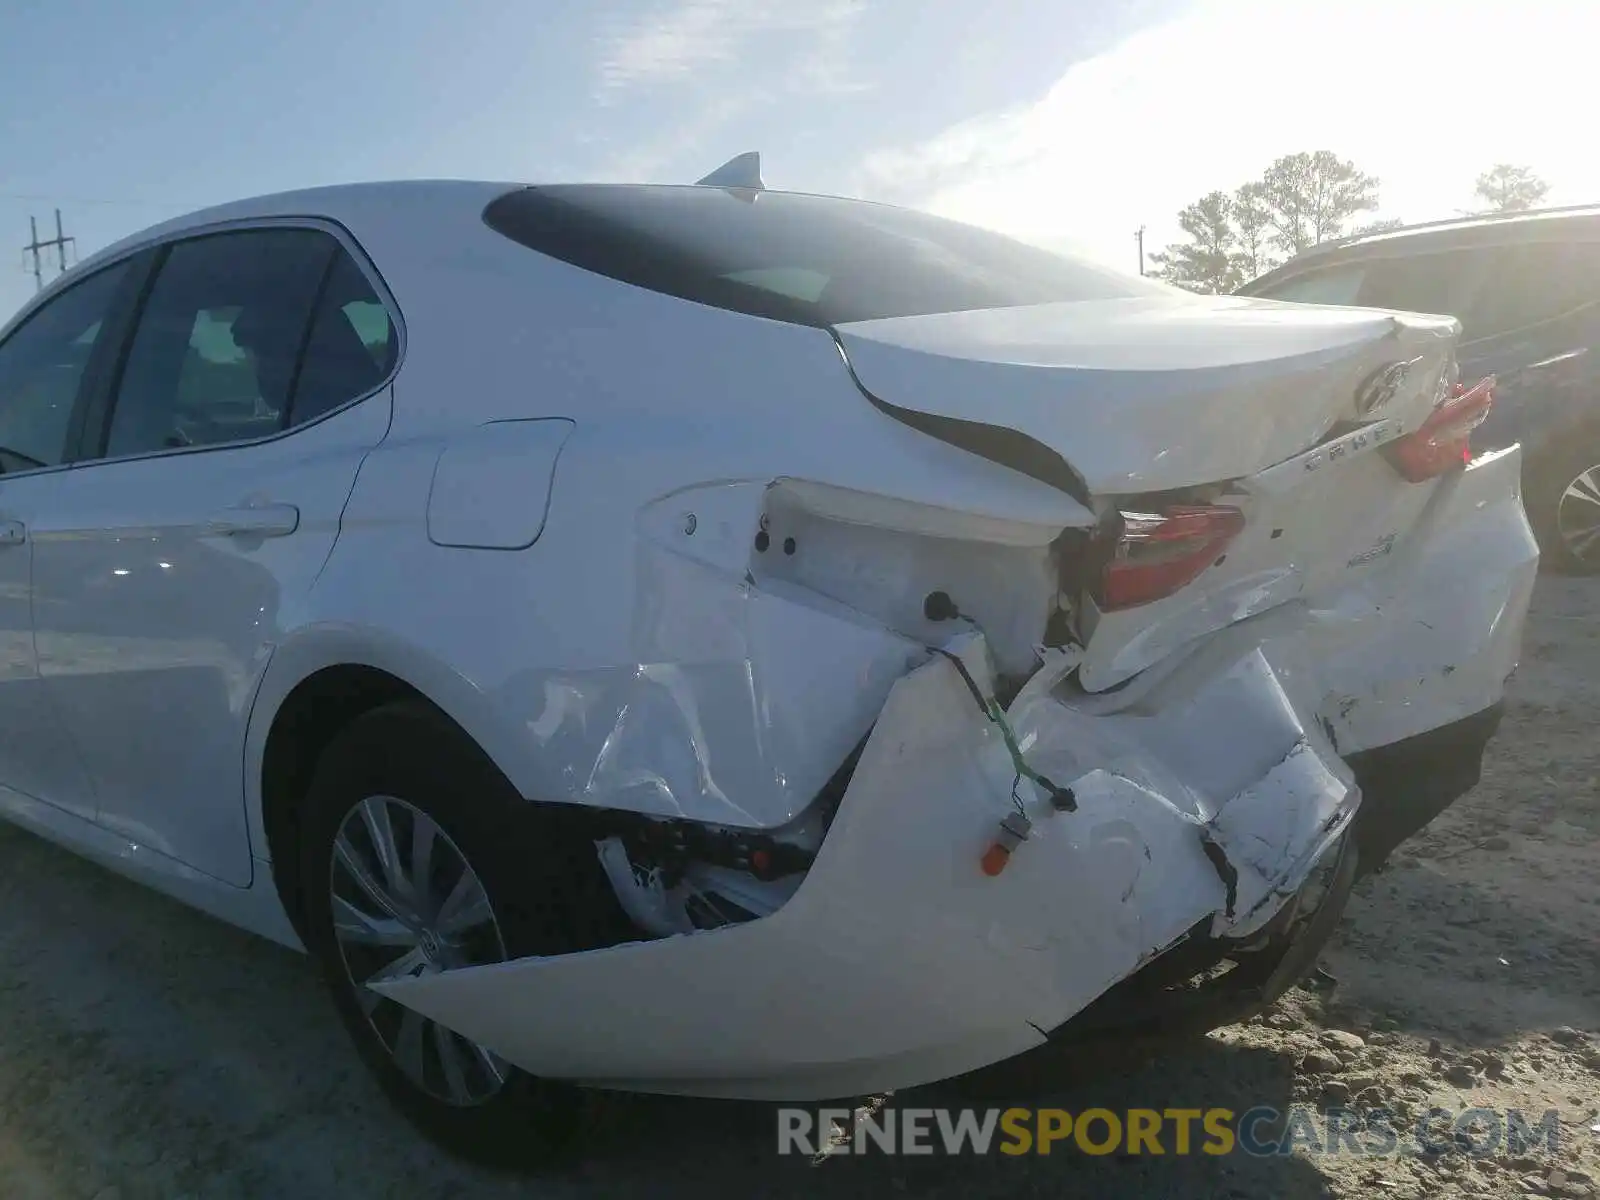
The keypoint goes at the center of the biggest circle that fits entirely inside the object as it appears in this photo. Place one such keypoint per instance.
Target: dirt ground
(149, 1052)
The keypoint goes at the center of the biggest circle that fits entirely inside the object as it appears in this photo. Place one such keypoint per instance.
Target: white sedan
(717, 641)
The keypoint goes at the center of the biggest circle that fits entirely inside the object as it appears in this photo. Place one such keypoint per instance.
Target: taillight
(1159, 553)
(1443, 441)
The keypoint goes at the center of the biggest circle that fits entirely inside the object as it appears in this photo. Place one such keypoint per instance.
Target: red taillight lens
(1159, 553)
(1444, 440)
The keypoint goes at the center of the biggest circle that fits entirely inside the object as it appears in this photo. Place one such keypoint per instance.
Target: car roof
(343, 203)
(438, 203)
(1435, 236)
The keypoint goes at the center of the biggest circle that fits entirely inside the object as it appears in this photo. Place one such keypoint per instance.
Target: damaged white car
(707, 640)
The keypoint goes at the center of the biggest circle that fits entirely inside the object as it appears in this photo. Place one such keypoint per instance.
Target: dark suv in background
(1526, 289)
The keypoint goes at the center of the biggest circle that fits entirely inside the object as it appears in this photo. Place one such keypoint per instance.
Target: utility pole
(61, 245)
(33, 247)
(1138, 236)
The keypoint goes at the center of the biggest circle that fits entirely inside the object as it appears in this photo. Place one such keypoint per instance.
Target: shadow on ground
(145, 1047)
(667, 1143)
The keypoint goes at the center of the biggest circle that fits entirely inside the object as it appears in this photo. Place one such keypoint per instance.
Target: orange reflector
(994, 859)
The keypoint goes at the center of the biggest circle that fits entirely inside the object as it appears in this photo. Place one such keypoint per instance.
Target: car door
(46, 370)
(1533, 328)
(167, 564)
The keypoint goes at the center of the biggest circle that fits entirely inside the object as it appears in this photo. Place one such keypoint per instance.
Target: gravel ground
(148, 1051)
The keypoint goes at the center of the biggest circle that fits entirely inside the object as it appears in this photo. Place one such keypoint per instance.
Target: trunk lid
(1288, 414)
(1149, 393)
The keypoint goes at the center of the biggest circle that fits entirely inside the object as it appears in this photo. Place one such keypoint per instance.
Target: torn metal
(896, 910)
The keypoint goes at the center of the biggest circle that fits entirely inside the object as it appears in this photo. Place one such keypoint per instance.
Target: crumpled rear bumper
(898, 961)
(1210, 796)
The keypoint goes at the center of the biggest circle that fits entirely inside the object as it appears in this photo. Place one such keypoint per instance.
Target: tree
(1252, 219)
(1208, 262)
(1508, 188)
(1312, 197)
(1300, 200)
(1382, 226)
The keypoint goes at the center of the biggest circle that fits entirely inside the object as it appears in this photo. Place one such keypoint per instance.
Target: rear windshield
(812, 260)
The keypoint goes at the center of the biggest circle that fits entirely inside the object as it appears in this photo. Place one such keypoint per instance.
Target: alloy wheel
(1578, 517)
(406, 903)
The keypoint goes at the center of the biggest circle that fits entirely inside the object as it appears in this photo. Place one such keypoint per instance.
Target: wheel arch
(1547, 471)
(313, 688)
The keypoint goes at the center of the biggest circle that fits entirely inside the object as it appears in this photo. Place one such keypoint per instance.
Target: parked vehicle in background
(1526, 288)
(726, 642)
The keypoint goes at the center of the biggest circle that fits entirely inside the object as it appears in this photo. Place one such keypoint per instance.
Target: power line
(43, 198)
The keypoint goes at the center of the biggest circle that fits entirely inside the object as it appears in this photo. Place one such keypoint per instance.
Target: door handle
(13, 533)
(260, 520)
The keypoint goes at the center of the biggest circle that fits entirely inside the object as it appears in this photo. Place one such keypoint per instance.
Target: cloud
(1424, 94)
(682, 138)
(687, 40)
(718, 61)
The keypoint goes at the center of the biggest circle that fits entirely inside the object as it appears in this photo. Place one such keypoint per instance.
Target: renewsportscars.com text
(1259, 1131)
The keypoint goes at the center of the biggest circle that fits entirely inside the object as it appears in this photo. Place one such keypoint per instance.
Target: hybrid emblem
(1381, 386)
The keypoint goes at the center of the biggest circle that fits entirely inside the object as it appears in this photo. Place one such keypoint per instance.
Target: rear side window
(245, 334)
(811, 260)
(351, 346)
(214, 356)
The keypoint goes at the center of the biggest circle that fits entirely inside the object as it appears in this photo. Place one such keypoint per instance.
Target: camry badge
(1381, 386)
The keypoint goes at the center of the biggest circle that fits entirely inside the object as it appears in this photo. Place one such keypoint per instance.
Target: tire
(1556, 492)
(542, 892)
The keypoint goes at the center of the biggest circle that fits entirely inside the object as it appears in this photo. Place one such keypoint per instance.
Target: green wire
(1060, 798)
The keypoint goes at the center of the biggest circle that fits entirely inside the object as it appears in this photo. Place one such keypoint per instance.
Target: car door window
(1534, 283)
(1443, 282)
(214, 357)
(42, 366)
(352, 345)
(1336, 285)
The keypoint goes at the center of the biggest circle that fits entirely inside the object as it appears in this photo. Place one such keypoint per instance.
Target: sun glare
(1421, 93)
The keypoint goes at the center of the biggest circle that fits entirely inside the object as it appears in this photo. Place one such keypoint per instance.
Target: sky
(1066, 122)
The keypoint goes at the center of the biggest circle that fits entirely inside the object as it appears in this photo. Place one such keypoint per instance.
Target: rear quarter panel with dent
(615, 661)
